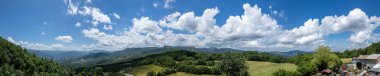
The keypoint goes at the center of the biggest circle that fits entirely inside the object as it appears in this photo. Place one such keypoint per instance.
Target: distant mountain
(289, 53)
(57, 55)
(130, 53)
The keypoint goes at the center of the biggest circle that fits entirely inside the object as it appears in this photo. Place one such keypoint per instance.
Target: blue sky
(266, 25)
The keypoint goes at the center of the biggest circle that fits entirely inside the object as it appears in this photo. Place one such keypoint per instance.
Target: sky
(264, 25)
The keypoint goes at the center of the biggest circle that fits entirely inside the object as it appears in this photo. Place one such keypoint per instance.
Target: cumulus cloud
(189, 22)
(356, 21)
(145, 25)
(253, 30)
(96, 14)
(115, 42)
(65, 38)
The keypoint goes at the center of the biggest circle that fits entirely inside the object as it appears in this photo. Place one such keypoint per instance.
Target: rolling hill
(100, 58)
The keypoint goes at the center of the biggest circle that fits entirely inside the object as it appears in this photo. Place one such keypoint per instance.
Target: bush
(150, 73)
(168, 71)
(282, 72)
(233, 64)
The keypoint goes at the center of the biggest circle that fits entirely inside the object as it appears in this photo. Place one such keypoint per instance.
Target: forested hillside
(15, 60)
(374, 48)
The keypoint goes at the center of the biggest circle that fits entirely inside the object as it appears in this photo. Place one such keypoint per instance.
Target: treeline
(374, 48)
(16, 61)
(185, 61)
(264, 56)
(311, 63)
(230, 63)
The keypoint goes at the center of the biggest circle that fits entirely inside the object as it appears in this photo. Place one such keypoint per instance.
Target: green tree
(324, 59)
(282, 72)
(150, 73)
(233, 64)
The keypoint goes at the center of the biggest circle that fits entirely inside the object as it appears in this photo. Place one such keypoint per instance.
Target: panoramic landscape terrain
(189, 38)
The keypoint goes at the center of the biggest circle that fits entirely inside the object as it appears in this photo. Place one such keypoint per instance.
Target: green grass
(187, 74)
(257, 68)
(142, 70)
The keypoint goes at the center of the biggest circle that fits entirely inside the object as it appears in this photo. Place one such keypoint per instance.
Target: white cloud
(77, 24)
(51, 47)
(253, 30)
(114, 42)
(96, 14)
(42, 33)
(107, 27)
(116, 15)
(132, 38)
(145, 25)
(85, 10)
(155, 5)
(361, 37)
(356, 21)
(279, 14)
(72, 8)
(10, 39)
(310, 31)
(240, 30)
(65, 38)
(167, 3)
(270, 7)
(189, 22)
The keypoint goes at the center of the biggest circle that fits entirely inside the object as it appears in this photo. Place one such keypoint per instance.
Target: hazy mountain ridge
(131, 53)
(289, 53)
(88, 58)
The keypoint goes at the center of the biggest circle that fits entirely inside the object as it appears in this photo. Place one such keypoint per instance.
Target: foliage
(168, 71)
(322, 59)
(150, 73)
(282, 72)
(264, 56)
(233, 64)
(374, 48)
(16, 61)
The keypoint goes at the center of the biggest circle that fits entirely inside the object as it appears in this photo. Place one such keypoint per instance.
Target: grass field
(346, 60)
(187, 74)
(257, 68)
(142, 70)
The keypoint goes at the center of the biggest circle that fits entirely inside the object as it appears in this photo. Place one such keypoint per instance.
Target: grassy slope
(142, 70)
(257, 68)
(187, 74)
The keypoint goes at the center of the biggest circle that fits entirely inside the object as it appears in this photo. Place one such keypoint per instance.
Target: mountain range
(98, 57)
